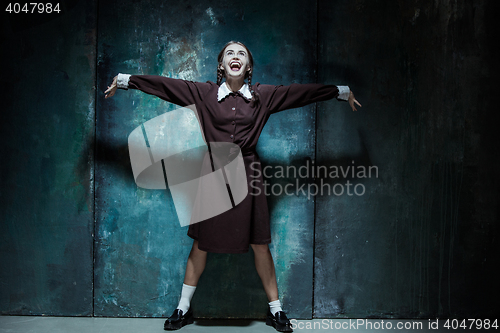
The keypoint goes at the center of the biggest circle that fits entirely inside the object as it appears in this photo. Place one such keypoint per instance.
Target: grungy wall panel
(141, 250)
(46, 188)
(422, 240)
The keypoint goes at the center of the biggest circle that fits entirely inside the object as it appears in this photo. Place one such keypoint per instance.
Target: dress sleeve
(177, 91)
(279, 98)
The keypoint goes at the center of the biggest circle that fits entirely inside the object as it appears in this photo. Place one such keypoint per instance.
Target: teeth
(235, 65)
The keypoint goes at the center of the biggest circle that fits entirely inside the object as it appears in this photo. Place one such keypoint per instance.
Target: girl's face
(235, 61)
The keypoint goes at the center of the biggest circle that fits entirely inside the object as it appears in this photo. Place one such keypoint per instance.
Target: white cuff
(343, 92)
(122, 81)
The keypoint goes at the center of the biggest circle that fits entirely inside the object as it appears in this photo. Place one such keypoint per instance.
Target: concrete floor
(24, 324)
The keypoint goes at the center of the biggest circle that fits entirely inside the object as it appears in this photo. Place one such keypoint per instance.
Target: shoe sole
(178, 325)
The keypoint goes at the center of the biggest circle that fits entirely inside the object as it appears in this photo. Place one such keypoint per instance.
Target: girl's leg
(265, 268)
(195, 265)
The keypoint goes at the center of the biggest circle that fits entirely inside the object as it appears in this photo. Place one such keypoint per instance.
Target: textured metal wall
(421, 242)
(141, 250)
(46, 187)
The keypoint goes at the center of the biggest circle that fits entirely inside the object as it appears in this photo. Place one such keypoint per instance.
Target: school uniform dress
(227, 116)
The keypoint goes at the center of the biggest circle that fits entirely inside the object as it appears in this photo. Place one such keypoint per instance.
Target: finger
(111, 87)
(357, 102)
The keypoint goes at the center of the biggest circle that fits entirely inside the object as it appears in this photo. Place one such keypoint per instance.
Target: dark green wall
(423, 239)
(46, 180)
(420, 242)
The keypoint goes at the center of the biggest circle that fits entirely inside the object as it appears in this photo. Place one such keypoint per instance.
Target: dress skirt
(244, 224)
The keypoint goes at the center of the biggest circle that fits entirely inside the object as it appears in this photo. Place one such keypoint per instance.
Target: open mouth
(235, 66)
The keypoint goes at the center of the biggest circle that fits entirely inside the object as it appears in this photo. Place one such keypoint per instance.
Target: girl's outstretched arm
(177, 91)
(279, 98)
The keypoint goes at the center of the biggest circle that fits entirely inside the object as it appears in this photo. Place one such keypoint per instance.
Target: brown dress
(234, 119)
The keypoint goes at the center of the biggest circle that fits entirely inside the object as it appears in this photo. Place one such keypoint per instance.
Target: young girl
(233, 111)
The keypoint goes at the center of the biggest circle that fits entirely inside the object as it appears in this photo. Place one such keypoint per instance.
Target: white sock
(275, 306)
(186, 295)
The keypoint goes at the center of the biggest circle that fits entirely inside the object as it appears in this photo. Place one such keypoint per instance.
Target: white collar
(224, 91)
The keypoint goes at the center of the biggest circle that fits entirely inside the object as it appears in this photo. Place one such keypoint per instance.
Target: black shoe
(280, 322)
(178, 320)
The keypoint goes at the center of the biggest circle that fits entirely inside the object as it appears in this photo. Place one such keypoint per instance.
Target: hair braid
(255, 96)
(220, 75)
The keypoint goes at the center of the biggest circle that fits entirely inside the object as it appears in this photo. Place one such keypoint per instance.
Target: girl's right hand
(112, 88)
(353, 100)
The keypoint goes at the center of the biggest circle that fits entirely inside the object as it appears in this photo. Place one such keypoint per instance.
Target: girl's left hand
(352, 100)
(112, 88)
